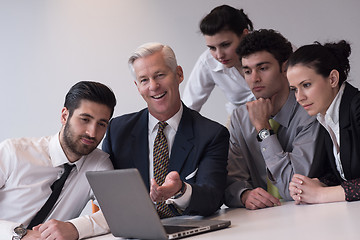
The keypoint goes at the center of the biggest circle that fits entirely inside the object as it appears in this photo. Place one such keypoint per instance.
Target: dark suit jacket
(349, 127)
(200, 146)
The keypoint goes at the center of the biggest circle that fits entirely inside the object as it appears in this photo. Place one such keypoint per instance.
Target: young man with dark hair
(44, 178)
(272, 137)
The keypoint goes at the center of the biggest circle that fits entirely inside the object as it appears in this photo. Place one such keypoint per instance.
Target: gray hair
(148, 49)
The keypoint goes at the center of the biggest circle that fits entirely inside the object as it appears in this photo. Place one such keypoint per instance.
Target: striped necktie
(161, 163)
(271, 188)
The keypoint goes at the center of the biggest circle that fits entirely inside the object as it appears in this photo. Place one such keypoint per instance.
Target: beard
(74, 144)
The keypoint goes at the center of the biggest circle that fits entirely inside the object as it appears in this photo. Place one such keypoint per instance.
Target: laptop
(130, 213)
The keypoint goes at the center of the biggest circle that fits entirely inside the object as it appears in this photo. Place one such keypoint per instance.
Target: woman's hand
(311, 190)
(306, 190)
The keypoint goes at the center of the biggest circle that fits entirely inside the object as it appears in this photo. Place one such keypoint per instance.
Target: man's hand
(54, 229)
(170, 187)
(258, 198)
(260, 111)
(32, 235)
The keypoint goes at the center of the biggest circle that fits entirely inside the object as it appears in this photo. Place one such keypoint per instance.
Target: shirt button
(263, 149)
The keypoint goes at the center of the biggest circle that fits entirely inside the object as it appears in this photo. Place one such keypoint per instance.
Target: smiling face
(263, 75)
(314, 92)
(222, 47)
(158, 85)
(84, 129)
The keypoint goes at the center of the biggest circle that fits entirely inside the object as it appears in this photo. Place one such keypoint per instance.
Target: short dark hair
(324, 58)
(225, 17)
(266, 40)
(92, 91)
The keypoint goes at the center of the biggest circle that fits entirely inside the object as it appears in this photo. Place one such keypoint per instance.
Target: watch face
(264, 133)
(20, 231)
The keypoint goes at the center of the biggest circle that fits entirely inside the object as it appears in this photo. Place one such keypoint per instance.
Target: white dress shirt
(208, 73)
(28, 167)
(331, 123)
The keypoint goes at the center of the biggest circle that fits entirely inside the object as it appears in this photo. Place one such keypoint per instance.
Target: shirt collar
(57, 155)
(173, 122)
(332, 112)
(218, 67)
(284, 115)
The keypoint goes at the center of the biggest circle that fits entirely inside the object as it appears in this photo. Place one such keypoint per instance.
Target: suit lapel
(183, 142)
(320, 165)
(330, 154)
(349, 93)
(140, 147)
(344, 125)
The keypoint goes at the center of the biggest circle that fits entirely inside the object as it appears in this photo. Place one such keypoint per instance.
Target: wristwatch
(181, 192)
(19, 232)
(264, 133)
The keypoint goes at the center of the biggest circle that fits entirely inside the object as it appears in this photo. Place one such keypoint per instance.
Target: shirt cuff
(91, 225)
(351, 189)
(7, 229)
(182, 202)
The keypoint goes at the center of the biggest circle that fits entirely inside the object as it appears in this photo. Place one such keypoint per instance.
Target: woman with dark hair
(223, 28)
(318, 75)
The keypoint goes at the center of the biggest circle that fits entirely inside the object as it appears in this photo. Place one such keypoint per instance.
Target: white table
(340, 221)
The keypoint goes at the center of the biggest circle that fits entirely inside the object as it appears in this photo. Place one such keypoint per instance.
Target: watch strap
(181, 192)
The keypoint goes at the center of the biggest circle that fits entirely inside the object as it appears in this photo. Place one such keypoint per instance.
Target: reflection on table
(288, 221)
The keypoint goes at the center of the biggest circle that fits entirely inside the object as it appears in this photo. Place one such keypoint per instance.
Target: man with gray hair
(196, 170)
(187, 176)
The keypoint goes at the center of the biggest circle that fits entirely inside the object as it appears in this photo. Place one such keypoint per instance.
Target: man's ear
(180, 73)
(245, 32)
(334, 78)
(64, 115)
(283, 69)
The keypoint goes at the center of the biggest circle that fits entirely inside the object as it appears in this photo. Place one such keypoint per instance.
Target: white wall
(48, 45)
